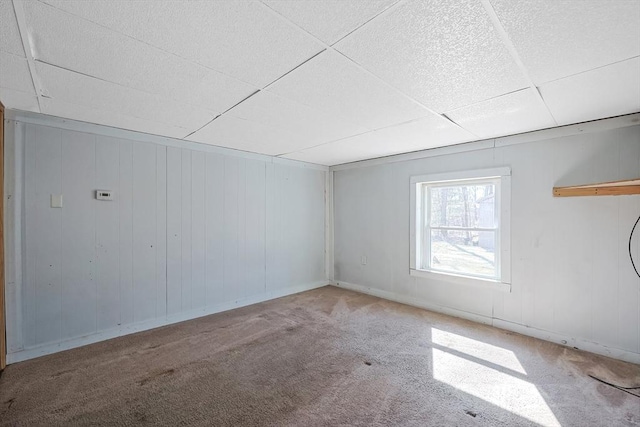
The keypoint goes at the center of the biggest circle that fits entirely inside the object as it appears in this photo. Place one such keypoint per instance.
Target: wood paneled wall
(187, 230)
(572, 279)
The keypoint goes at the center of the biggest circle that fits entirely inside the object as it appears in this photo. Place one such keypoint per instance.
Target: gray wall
(571, 275)
(190, 232)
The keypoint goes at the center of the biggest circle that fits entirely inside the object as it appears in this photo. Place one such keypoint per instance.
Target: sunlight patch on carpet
(490, 373)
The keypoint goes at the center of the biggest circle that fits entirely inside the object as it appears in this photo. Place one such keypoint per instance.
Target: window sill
(462, 280)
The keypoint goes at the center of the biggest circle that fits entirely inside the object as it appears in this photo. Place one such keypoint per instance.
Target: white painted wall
(192, 230)
(196, 229)
(571, 275)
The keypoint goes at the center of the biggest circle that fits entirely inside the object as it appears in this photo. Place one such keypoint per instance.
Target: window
(460, 227)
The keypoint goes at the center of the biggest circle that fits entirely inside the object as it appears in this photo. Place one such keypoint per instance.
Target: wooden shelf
(614, 188)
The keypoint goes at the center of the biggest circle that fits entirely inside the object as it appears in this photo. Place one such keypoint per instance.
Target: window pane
(463, 252)
(463, 206)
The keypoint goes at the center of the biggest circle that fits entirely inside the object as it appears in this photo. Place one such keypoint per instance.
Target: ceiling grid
(327, 82)
(512, 50)
(22, 29)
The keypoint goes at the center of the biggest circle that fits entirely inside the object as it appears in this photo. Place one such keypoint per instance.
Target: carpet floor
(323, 357)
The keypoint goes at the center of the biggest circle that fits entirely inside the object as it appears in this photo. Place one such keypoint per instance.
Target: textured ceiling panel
(312, 126)
(246, 135)
(559, 38)
(17, 100)
(168, 67)
(78, 89)
(109, 118)
(242, 39)
(444, 54)
(10, 40)
(15, 74)
(428, 132)
(329, 20)
(516, 112)
(608, 91)
(332, 83)
(73, 43)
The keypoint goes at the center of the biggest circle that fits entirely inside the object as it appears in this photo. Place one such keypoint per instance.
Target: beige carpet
(324, 357)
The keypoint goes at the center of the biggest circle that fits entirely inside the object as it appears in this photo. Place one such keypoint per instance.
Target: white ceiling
(327, 82)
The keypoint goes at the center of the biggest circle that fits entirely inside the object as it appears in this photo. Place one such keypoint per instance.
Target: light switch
(56, 200)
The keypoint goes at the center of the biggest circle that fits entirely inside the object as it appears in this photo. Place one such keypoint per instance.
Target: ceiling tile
(16, 100)
(243, 39)
(444, 54)
(232, 132)
(312, 126)
(332, 83)
(10, 40)
(78, 89)
(559, 38)
(605, 92)
(329, 20)
(76, 44)
(109, 118)
(269, 124)
(517, 112)
(428, 132)
(15, 74)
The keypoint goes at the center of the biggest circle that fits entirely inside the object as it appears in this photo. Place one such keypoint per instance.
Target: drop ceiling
(326, 82)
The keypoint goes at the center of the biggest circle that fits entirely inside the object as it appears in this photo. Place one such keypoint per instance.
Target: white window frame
(502, 178)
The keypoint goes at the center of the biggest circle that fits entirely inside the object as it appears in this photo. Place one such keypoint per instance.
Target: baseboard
(415, 302)
(564, 340)
(43, 350)
(567, 341)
